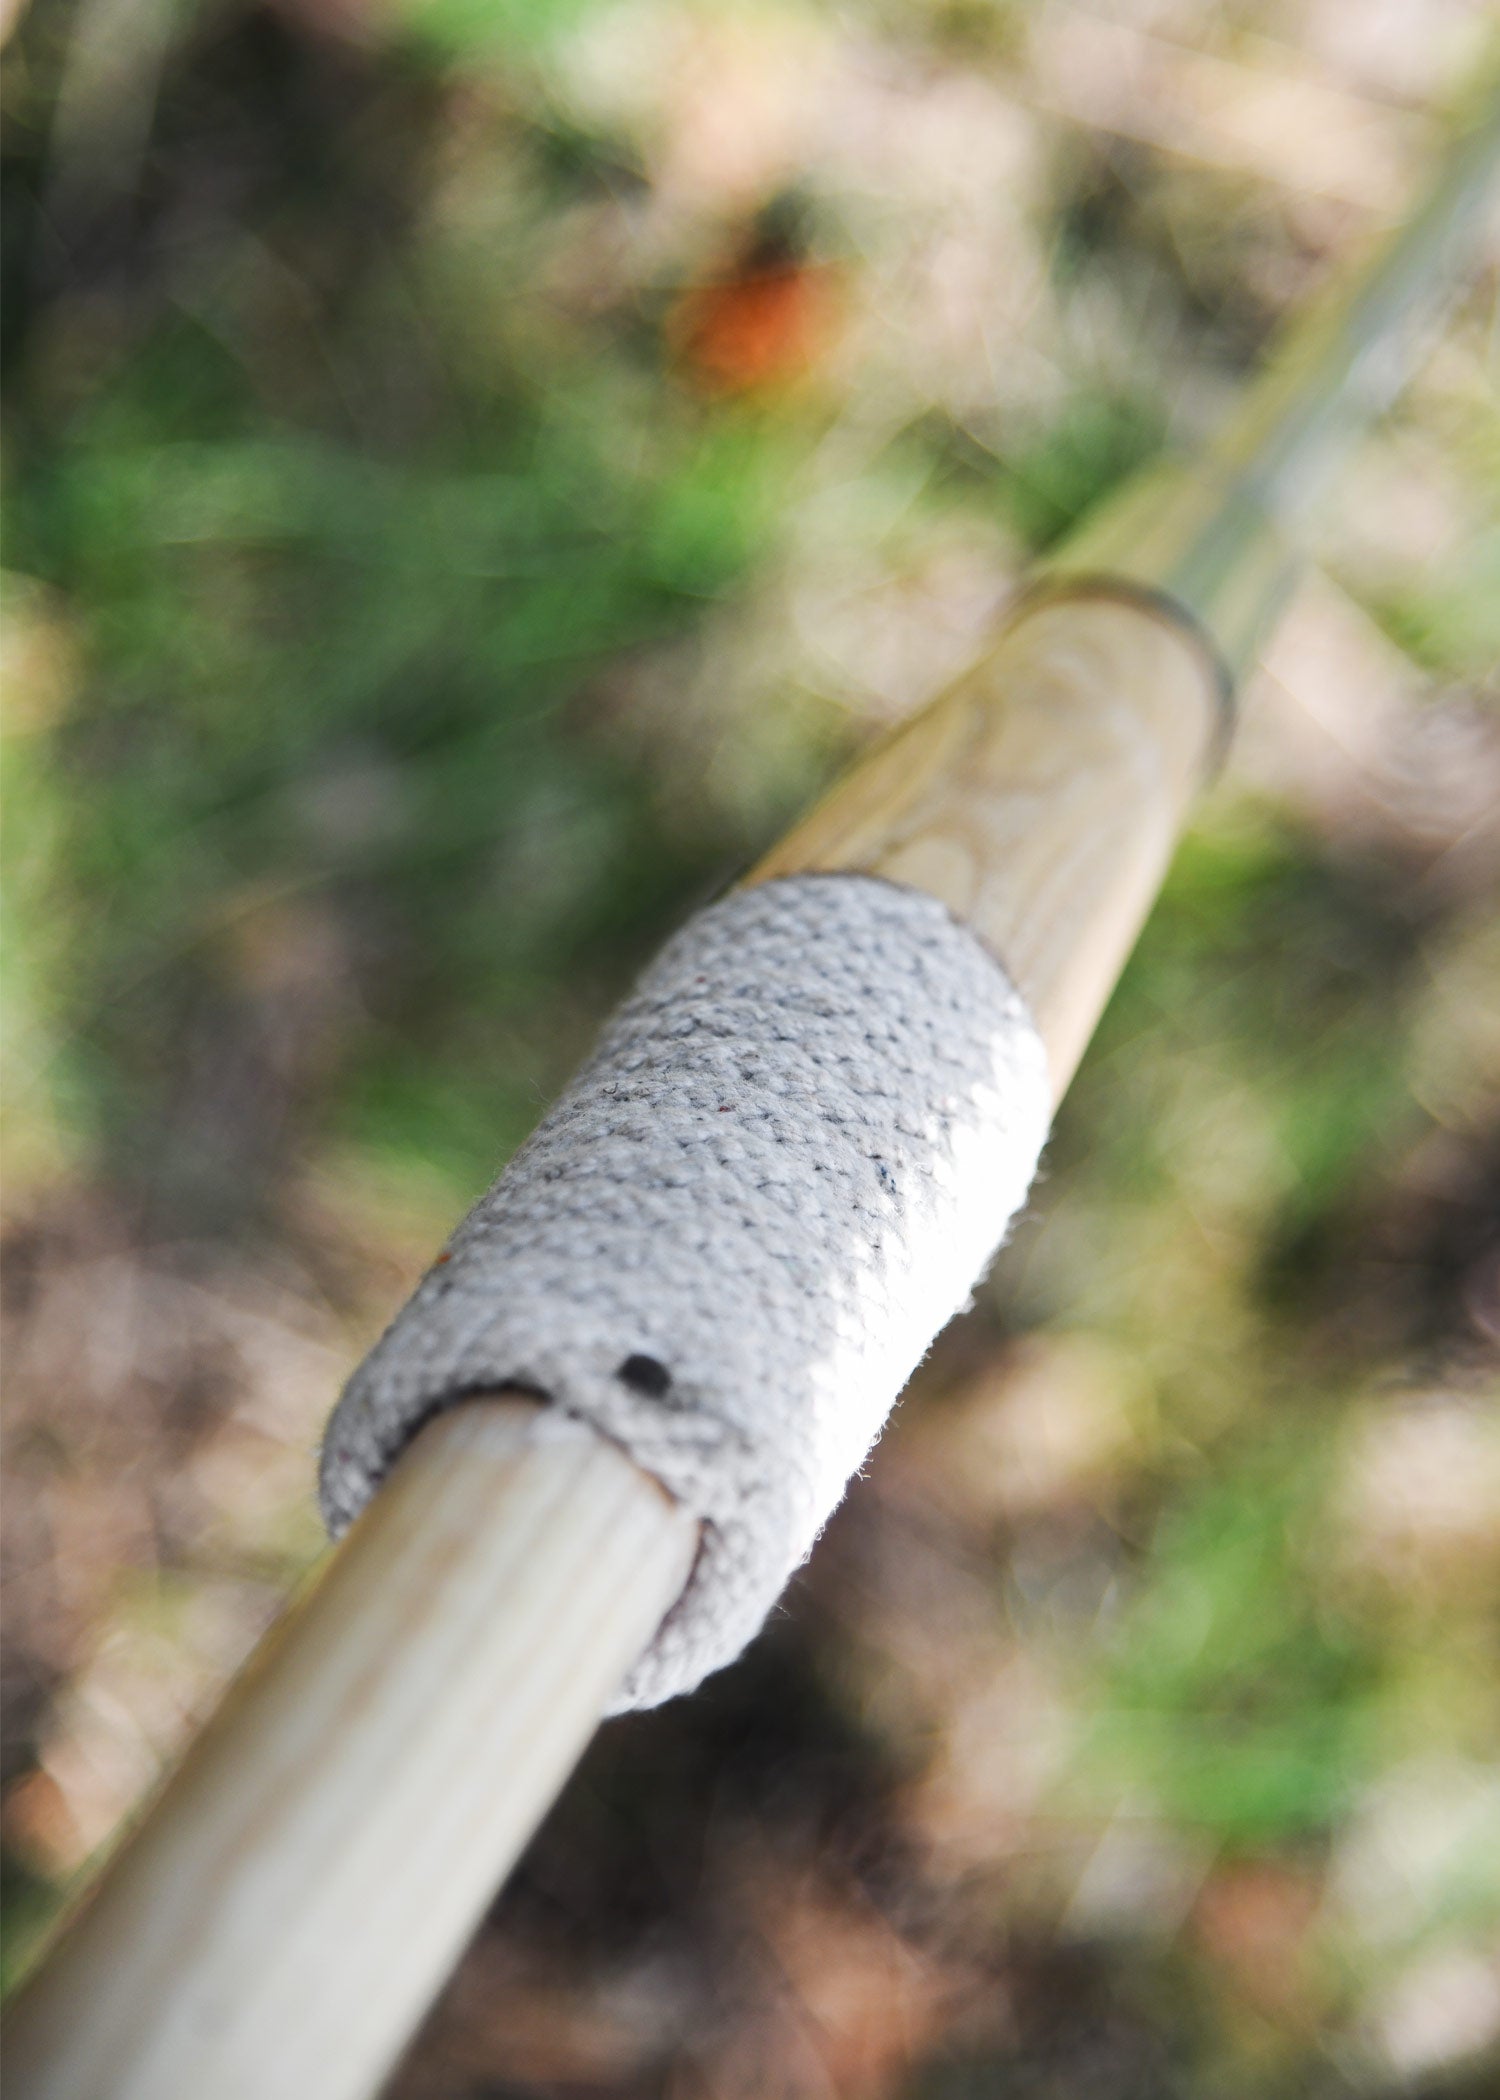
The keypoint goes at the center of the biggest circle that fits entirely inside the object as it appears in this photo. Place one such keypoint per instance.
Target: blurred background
(474, 470)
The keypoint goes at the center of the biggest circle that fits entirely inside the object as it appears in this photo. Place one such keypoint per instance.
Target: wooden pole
(282, 1918)
(291, 1904)
(1040, 797)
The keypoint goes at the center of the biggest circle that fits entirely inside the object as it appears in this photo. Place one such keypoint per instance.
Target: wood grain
(1039, 798)
(283, 1917)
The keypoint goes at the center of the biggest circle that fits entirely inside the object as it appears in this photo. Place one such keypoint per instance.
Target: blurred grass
(1238, 1706)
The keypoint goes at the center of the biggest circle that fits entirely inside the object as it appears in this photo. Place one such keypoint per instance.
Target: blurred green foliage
(1236, 1702)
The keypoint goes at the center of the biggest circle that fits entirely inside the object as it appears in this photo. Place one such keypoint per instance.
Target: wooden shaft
(282, 1918)
(1039, 798)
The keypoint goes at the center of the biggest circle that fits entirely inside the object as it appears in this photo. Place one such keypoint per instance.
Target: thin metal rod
(1224, 537)
(282, 1918)
(1348, 359)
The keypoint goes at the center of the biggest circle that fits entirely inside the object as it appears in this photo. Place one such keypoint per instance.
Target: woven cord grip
(734, 1236)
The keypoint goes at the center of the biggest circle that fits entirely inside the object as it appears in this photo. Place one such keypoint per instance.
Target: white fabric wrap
(798, 1143)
